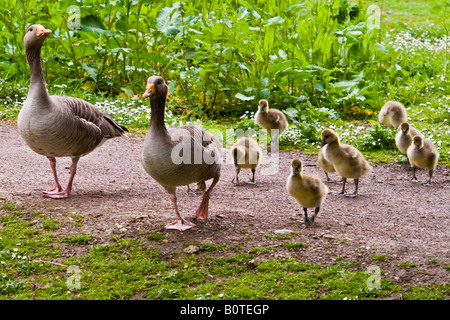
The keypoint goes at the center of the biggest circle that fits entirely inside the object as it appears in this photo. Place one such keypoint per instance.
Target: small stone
(329, 236)
(283, 231)
(191, 249)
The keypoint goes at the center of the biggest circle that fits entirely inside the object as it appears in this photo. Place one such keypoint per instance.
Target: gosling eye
(30, 29)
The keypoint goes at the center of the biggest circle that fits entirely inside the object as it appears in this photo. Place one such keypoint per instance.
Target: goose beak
(417, 147)
(43, 32)
(322, 143)
(404, 133)
(295, 170)
(149, 90)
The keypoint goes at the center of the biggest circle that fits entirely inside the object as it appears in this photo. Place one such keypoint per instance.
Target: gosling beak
(322, 143)
(261, 109)
(404, 133)
(294, 170)
(149, 90)
(42, 32)
(417, 147)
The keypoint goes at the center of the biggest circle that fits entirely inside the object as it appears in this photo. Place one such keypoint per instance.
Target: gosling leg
(414, 178)
(316, 211)
(355, 193)
(428, 183)
(344, 181)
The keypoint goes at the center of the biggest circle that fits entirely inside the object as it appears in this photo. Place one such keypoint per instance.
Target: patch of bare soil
(391, 216)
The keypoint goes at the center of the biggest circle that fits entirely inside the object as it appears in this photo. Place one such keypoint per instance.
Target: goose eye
(30, 29)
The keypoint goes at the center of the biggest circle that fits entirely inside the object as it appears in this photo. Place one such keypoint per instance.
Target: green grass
(32, 266)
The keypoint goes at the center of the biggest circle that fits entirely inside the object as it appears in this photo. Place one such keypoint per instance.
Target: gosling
(392, 114)
(346, 159)
(307, 189)
(423, 154)
(404, 137)
(245, 154)
(323, 164)
(273, 120)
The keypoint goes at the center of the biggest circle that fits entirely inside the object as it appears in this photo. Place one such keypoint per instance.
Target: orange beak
(43, 32)
(149, 90)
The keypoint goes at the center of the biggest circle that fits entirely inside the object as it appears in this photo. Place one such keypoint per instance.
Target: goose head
(297, 166)
(156, 87)
(263, 105)
(418, 142)
(35, 36)
(328, 136)
(405, 128)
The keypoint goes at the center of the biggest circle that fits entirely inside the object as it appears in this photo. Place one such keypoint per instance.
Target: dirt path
(405, 221)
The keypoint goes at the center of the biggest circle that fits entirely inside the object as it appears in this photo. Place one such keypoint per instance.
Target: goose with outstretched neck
(178, 156)
(59, 126)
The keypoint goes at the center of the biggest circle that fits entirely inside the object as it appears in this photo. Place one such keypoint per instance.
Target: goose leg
(180, 223)
(57, 187)
(355, 193)
(61, 194)
(202, 211)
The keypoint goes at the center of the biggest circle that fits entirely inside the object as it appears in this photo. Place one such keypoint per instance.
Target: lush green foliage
(219, 56)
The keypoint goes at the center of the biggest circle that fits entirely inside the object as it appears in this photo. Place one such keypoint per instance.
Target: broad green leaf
(242, 97)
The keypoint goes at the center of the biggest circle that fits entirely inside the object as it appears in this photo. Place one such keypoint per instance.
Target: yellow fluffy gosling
(245, 154)
(273, 120)
(323, 164)
(422, 154)
(346, 159)
(404, 137)
(307, 189)
(392, 114)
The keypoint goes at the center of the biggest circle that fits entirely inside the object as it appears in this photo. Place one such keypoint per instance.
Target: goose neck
(157, 106)
(37, 81)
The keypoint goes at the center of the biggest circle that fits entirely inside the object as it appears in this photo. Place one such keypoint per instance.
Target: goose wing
(90, 118)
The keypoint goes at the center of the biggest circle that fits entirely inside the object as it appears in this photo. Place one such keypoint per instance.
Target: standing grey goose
(58, 126)
(178, 156)
(346, 159)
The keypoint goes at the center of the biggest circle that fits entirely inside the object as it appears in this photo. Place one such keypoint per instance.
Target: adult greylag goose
(178, 156)
(346, 159)
(307, 189)
(273, 120)
(404, 137)
(392, 114)
(423, 154)
(245, 154)
(59, 126)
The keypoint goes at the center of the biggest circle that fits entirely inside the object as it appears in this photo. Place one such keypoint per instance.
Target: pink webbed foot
(180, 224)
(57, 194)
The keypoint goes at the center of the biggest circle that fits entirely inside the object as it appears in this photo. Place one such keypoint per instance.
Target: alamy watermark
(374, 280)
(74, 281)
